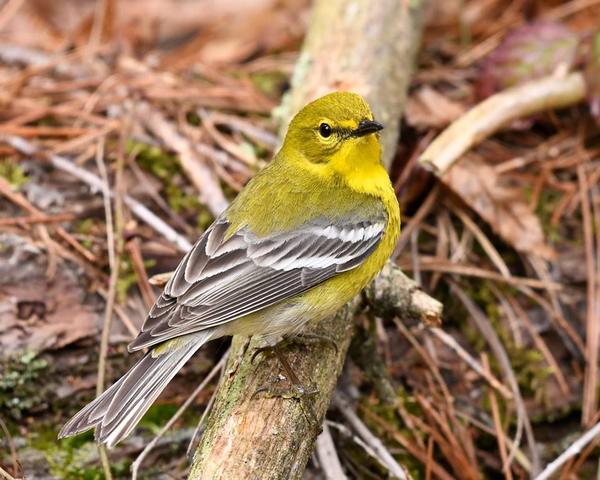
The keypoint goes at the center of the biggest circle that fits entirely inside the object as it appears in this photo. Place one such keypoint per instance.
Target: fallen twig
(327, 455)
(114, 231)
(433, 264)
(500, 435)
(11, 445)
(33, 219)
(590, 384)
(4, 474)
(395, 469)
(195, 168)
(497, 348)
(449, 341)
(569, 453)
(497, 111)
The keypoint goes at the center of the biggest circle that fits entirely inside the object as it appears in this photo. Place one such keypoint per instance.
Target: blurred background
(171, 106)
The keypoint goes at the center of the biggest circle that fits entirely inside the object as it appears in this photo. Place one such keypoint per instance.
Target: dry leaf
(37, 313)
(427, 108)
(528, 52)
(503, 207)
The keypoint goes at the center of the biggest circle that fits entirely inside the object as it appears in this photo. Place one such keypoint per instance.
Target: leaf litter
(176, 87)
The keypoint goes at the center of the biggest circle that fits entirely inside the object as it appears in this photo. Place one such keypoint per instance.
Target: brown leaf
(428, 108)
(526, 53)
(503, 207)
(37, 313)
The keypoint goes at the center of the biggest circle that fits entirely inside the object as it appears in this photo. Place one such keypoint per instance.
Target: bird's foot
(298, 339)
(281, 387)
(311, 339)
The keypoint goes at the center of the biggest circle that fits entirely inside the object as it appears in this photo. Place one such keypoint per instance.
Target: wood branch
(367, 47)
(497, 111)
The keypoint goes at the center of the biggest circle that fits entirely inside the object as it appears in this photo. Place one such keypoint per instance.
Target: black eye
(325, 130)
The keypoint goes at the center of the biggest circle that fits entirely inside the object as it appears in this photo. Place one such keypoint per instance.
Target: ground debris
(38, 313)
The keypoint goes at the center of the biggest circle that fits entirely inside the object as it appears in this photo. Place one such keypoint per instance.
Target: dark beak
(365, 127)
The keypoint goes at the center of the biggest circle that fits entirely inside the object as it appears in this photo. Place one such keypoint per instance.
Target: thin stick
(97, 27)
(139, 210)
(6, 475)
(496, 111)
(346, 432)
(422, 212)
(110, 234)
(497, 348)
(500, 436)
(485, 242)
(408, 445)
(133, 248)
(148, 448)
(373, 441)
(433, 264)
(590, 383)
(189, 453)
(9, 10)
(114, 264)
(33, 219)
(205, 180)
(576, 447)
(11, 445)
(328, 457)
(20, 200)
(449, 341)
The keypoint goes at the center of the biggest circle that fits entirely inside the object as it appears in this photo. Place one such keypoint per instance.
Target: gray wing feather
(222, 279)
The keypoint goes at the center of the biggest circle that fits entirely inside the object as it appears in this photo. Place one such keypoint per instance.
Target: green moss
(271, 84)
(167, 168)
(13, 172)
(20, 389)
(74, 458)
(160, 413)
(127, 276)
(85, 226)
(390, 414)
(546, 206)
(528, 363)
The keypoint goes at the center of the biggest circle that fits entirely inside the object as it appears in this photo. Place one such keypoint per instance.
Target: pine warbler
(303, 238)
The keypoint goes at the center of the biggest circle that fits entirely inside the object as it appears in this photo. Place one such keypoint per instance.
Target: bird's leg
(297, 339)
(311, 338)
(295, 391)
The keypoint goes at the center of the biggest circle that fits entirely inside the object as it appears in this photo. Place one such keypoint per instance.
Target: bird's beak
(365, 127)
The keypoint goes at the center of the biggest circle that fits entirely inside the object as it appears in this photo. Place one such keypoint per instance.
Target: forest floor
(126, 127)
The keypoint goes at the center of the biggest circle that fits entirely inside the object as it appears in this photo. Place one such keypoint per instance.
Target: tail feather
(117, 411)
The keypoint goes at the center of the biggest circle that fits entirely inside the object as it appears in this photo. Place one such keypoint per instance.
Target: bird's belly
(290, 315)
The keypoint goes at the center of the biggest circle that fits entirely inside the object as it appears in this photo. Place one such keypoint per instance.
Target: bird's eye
(325, 130)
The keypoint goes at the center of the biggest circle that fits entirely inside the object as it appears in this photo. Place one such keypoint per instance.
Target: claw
(260, 350)
(314, 338)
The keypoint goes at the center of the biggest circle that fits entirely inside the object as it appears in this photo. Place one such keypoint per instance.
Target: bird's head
(336, 131)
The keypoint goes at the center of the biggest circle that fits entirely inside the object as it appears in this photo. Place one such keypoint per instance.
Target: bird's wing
(224, 278)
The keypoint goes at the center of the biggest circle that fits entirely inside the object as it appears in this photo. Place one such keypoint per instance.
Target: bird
(301, 239)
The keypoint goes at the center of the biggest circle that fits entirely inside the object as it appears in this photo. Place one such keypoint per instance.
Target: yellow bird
(303, 238)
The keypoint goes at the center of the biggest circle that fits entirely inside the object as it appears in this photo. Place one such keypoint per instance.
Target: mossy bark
(357, 45)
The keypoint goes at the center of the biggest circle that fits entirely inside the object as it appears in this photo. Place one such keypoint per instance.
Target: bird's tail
(118, 410)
